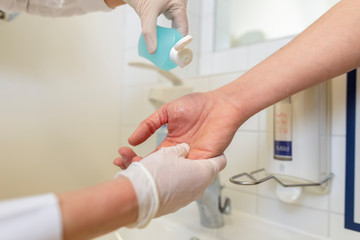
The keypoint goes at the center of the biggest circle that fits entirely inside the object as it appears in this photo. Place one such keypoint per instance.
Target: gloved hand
(165, 180)
(149, 10)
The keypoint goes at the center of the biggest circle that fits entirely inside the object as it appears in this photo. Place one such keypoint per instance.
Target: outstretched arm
(208, 121)
(160, 184)
(97, 210)
(326, 49)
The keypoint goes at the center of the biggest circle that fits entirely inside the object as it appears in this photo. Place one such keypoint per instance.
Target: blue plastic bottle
(170, 50)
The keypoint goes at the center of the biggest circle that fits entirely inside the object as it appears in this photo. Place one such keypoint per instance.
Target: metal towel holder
(255, 181)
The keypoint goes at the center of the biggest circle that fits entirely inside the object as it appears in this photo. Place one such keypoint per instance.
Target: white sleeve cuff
(36, 217)
(94, 5)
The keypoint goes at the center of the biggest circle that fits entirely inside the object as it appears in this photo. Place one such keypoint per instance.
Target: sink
(185, 225)
(160, 229)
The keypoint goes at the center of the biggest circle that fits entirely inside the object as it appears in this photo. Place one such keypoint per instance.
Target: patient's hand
(205, 121)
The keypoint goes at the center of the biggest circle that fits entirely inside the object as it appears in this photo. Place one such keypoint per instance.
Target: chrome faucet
(211, 208)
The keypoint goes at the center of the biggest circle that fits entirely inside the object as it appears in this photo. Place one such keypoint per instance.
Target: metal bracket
(255, 181)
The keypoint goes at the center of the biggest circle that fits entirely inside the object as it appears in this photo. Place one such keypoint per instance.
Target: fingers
(142, 133)
(149, 21)
(119, 162)
(127, 156)
(177, 13)
(180, 22)
(127, 153)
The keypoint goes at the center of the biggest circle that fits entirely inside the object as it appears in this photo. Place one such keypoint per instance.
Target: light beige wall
(60, 83)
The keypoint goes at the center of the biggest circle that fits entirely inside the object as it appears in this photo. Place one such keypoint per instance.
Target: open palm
(206, 121)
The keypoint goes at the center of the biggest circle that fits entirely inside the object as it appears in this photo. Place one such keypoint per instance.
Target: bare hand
(205, 121)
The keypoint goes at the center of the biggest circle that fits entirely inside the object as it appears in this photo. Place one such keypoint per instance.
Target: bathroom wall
(60, 90)
(321, 216)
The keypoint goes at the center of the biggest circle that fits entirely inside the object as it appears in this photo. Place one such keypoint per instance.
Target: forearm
(325, 50)
(97, 210)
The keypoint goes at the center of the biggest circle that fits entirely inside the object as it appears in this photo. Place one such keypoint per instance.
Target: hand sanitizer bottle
(170, 52)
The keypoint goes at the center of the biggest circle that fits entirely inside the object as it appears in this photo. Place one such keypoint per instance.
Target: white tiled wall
(319, 215)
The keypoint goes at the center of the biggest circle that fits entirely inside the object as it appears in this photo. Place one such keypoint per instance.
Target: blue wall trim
(350, 153)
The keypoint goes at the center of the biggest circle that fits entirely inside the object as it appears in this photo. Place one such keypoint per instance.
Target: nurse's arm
(99, 209)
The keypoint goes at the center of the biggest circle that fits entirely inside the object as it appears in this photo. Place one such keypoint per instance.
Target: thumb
(149, 126)
(148, 25)
(182, 150)
(219, 161)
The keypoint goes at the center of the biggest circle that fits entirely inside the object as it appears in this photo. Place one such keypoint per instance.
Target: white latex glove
(53, 8)
(165, 180)
(149, 10)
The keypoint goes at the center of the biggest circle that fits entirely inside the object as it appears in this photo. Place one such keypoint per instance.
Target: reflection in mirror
(242, 22)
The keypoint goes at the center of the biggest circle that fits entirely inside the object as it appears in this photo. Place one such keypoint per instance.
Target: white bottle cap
(179, 54)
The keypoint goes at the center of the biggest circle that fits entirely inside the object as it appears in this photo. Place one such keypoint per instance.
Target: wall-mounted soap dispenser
(298, 138)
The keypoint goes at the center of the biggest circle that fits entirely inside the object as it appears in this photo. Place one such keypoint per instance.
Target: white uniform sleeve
(32, 218)
(53, 8)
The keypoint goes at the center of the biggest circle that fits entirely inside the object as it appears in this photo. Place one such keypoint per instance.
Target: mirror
(243, 22)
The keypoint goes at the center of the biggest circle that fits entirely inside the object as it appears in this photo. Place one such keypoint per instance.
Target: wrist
(255, 91)
(114, 3)
(146, 191)
(231, 99)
